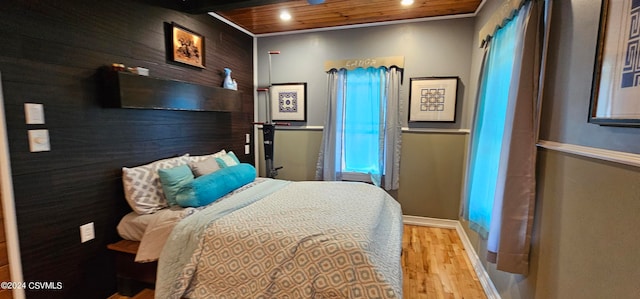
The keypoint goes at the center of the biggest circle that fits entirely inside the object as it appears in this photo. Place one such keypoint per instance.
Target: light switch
(87, 232)
(34, 114)
(247, 138)
(39, 141)
(247, 149)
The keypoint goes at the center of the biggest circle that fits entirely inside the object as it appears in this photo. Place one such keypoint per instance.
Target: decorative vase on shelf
(228, 82)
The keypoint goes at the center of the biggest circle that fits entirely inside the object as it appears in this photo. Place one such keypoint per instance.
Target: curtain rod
(352, 64)
(503, 13)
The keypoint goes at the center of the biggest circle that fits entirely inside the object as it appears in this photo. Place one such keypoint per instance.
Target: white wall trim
(435, 130)
(430, 222)
(256, 146)
(8, 204)
(404, 129)
(489, 289)
(592, 152)
(296, 128)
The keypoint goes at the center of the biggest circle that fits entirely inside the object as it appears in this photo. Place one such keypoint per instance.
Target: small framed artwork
(433, 99)
(616, 80)
(288, 101)
(186, 46)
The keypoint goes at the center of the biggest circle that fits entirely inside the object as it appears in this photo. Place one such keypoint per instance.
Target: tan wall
(431, 174)
(585, 242)
(295, 150)
(431, 168)
(588, 242)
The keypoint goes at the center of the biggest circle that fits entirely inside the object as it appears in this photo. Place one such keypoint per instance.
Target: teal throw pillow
(173, 179)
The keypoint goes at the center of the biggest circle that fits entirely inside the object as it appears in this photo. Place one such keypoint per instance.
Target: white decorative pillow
(204, 157)
(227, 160)
(142, 187)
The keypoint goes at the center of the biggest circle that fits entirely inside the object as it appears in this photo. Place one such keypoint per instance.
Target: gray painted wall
(431, 164)
(568, 85)
(434, 48)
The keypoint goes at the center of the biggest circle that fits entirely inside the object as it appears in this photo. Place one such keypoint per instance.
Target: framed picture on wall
(433, 99)
(288, 101)
(185, 46)
(615, 91)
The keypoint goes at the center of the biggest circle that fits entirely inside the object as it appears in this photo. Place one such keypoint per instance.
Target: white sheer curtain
(329, 166)
(331, 159)
(391, 140)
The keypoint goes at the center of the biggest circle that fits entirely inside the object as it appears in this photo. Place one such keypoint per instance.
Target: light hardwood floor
(434, 264)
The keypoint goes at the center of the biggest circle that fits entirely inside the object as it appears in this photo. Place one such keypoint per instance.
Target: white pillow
(142, 187)
(204, 157)
(227, 160)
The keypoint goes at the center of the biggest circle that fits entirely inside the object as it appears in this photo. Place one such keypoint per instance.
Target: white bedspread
(288, 240)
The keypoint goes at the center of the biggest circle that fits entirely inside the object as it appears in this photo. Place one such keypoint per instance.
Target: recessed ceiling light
(285, 16)
(406, 2)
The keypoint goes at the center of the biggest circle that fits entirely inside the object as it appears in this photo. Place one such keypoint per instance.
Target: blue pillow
(173, 179)
(210, 187)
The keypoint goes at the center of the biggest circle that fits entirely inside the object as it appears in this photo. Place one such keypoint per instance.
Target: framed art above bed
(186, 46)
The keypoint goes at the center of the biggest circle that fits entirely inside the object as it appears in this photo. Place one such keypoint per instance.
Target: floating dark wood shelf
(128, 90)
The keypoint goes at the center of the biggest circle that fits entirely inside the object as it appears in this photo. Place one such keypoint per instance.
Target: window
(362, 131)
(364, 117)
(501, 178)
(489, 127)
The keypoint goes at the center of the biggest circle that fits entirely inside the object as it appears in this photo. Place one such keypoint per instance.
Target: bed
(272, 238)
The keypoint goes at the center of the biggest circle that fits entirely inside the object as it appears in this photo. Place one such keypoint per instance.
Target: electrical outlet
(86, 232)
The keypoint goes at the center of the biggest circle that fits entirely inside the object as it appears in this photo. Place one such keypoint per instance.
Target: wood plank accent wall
(50, 52)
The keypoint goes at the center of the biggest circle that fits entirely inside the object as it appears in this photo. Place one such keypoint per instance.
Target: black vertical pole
(268, 131)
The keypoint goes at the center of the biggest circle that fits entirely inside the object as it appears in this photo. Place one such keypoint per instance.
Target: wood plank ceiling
(263, 17)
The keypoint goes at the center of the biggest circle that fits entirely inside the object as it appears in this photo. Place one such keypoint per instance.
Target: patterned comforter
(281, 239)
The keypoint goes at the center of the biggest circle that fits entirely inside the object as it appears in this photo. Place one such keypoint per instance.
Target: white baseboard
(430, 222)
(489, 289)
